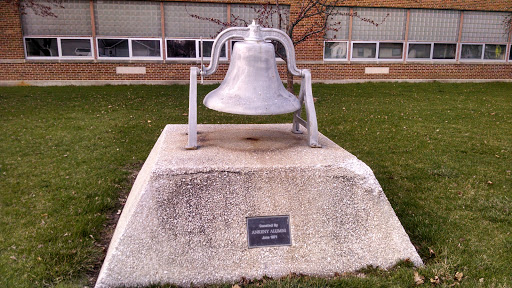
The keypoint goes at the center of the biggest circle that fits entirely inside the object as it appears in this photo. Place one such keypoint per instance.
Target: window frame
(198, 49)
(482, 59)
(59, 48)
(494, 60)
(377, 50)
(130, 49)
(335, 59)
(431, 58)
(472, 59)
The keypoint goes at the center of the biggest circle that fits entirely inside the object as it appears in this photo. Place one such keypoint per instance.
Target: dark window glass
(419, 51)
(279, 50)
(181, 49)
(113, 48)
(391, 50)
(364, 50)
(207, 48)
(444, 51)
(335, 50)
(42, 47)
(471, 51)
(145, 48)
(495, 52)
(76, 47)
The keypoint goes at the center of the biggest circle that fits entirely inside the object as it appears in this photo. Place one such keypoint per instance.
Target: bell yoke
(252, 85)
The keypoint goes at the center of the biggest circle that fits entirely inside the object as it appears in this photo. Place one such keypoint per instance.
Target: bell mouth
(252, 85)
(236, 103)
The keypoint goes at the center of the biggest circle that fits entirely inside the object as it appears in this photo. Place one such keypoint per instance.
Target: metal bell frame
(255, 32)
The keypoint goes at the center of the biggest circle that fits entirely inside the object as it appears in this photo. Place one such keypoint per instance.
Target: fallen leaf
(434, 280)
(489, 182)
(235, 286)
(13, 258)
(481, 280)
(459, 276)
(418, 279)
(432, 253)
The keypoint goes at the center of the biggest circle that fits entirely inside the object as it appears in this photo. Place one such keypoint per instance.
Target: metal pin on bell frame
(202, 54)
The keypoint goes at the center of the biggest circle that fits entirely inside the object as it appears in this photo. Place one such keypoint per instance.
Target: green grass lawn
(442, 153)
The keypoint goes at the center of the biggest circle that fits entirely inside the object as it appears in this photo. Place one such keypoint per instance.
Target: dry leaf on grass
(458, 276)
(435, 280)
(432, 253)
(418, 279)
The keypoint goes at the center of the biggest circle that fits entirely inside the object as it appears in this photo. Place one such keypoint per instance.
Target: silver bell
(252, 85)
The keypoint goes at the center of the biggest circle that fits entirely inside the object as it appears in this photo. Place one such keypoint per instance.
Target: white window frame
(130, 50)
(420, 59)
(352, 58)
(390, 59)
(473, 59)
(59, 49)
(494, 60)
(483, 53)
(198, 49)
(336, 59)
(377, 49)
(431, 58)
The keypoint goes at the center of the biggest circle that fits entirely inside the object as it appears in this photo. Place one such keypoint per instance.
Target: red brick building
(103, 41)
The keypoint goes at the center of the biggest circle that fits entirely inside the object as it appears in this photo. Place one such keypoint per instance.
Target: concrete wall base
(185, 219)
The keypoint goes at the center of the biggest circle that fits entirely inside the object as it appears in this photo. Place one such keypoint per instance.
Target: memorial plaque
(268, 231)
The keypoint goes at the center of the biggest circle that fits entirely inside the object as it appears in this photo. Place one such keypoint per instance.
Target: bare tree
(39, 7)
(312, 21)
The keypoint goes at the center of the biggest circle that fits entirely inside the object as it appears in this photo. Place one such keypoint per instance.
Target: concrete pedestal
(185, 219)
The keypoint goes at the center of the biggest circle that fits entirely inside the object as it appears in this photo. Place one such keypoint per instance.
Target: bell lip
(252, 113)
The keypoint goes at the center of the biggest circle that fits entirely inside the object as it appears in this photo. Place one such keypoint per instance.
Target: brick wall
(14, 67)
(11, 41)
(163, 72)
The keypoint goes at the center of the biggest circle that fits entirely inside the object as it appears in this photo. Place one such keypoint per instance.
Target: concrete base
(185, 219)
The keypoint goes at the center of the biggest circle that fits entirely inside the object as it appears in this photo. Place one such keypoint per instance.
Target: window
(471, 51)
(58, 48)
(129, 48)
(434, 25)
(41, 47)
(191, 49)
(391, 24)
(419, 51)
(510, 53)
(387, 51)
(335, 50)
(495, 52)
(146, 48)
(364, 50)
(432, 51)
(391, 50)
(483, 52)
(444, 51)
(113, 48)
(76, 47)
